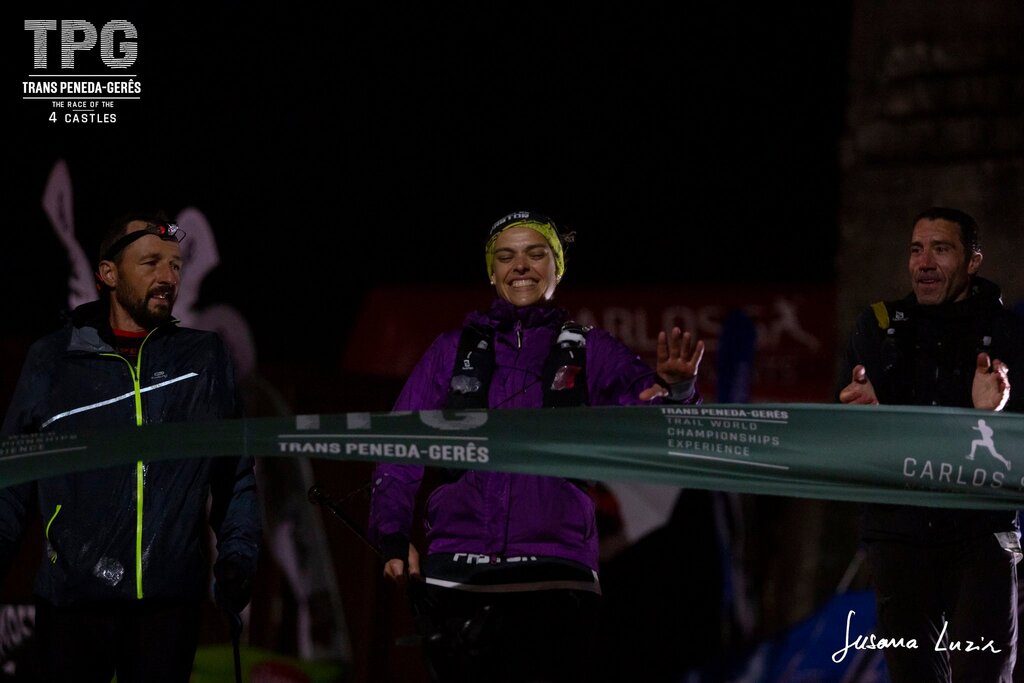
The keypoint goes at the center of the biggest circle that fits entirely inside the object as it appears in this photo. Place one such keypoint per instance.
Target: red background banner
(795, 356)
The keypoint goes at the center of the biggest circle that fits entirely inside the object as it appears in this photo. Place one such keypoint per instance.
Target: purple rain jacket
(497, 513)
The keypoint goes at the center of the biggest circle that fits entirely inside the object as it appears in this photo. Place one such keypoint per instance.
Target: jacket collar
(90, 328)
(503, 316)
(983, 296)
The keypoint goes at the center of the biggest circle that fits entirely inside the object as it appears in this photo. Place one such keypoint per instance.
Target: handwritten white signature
(870, 642)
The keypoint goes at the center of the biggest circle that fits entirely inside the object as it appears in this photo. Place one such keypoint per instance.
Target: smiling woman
(510, 577)
(525, 269)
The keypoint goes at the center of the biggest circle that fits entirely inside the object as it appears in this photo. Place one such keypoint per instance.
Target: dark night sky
(333, 150)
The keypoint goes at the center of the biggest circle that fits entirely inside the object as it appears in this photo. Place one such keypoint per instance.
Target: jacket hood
(90, 327)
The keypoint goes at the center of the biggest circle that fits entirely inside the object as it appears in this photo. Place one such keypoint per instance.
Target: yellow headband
(546, 230)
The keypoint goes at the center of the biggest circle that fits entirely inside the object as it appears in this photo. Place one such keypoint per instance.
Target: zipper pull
(519, 334)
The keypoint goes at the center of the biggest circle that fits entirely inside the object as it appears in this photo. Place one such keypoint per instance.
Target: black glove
(232, 588)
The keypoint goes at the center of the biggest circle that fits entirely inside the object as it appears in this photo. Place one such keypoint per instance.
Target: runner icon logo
(987, 443)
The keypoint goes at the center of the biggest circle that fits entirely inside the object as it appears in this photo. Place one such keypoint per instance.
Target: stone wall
(935, 116)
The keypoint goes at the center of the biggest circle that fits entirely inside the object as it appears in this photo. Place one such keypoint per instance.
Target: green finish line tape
(942, 457)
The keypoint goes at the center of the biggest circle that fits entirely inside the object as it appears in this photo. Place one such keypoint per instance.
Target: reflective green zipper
(140, 468)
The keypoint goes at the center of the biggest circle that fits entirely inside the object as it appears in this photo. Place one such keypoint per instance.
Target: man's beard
(138, 307)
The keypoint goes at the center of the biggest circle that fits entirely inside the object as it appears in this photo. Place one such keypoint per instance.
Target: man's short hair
(968, 226)
(119, 226)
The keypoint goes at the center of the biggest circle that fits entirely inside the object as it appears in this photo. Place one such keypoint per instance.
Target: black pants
(150, 641)
(539, 636)
(969, 588)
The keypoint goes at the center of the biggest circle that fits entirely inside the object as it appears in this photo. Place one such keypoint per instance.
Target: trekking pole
(235, 625)
(318, 496)
(414, 589)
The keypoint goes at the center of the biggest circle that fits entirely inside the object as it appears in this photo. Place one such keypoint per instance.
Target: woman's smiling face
(524, 267)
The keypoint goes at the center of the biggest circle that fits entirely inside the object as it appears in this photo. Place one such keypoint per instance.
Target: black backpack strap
(471, 377)
(474, 366)
(565, 375)
(565, 370)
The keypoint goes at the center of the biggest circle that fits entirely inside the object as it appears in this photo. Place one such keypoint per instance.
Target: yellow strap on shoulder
(881, 314)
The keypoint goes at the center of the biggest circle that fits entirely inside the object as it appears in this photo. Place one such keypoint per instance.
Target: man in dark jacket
(125, 565)
(943, 577)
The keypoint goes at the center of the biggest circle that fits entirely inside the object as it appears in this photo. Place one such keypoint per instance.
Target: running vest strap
(893, 316)
(564, 375)
(565, 370)
(898, 348)
(474, 367)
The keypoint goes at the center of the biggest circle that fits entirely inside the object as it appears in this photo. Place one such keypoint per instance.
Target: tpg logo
(80, 35)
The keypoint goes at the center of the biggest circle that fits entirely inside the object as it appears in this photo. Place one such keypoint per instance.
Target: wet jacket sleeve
(394, 487)
(616, 375)
(234, 510)
(16, 502)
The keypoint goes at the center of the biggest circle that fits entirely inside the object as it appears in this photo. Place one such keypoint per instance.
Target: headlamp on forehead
(536, 222)
(168, 232)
